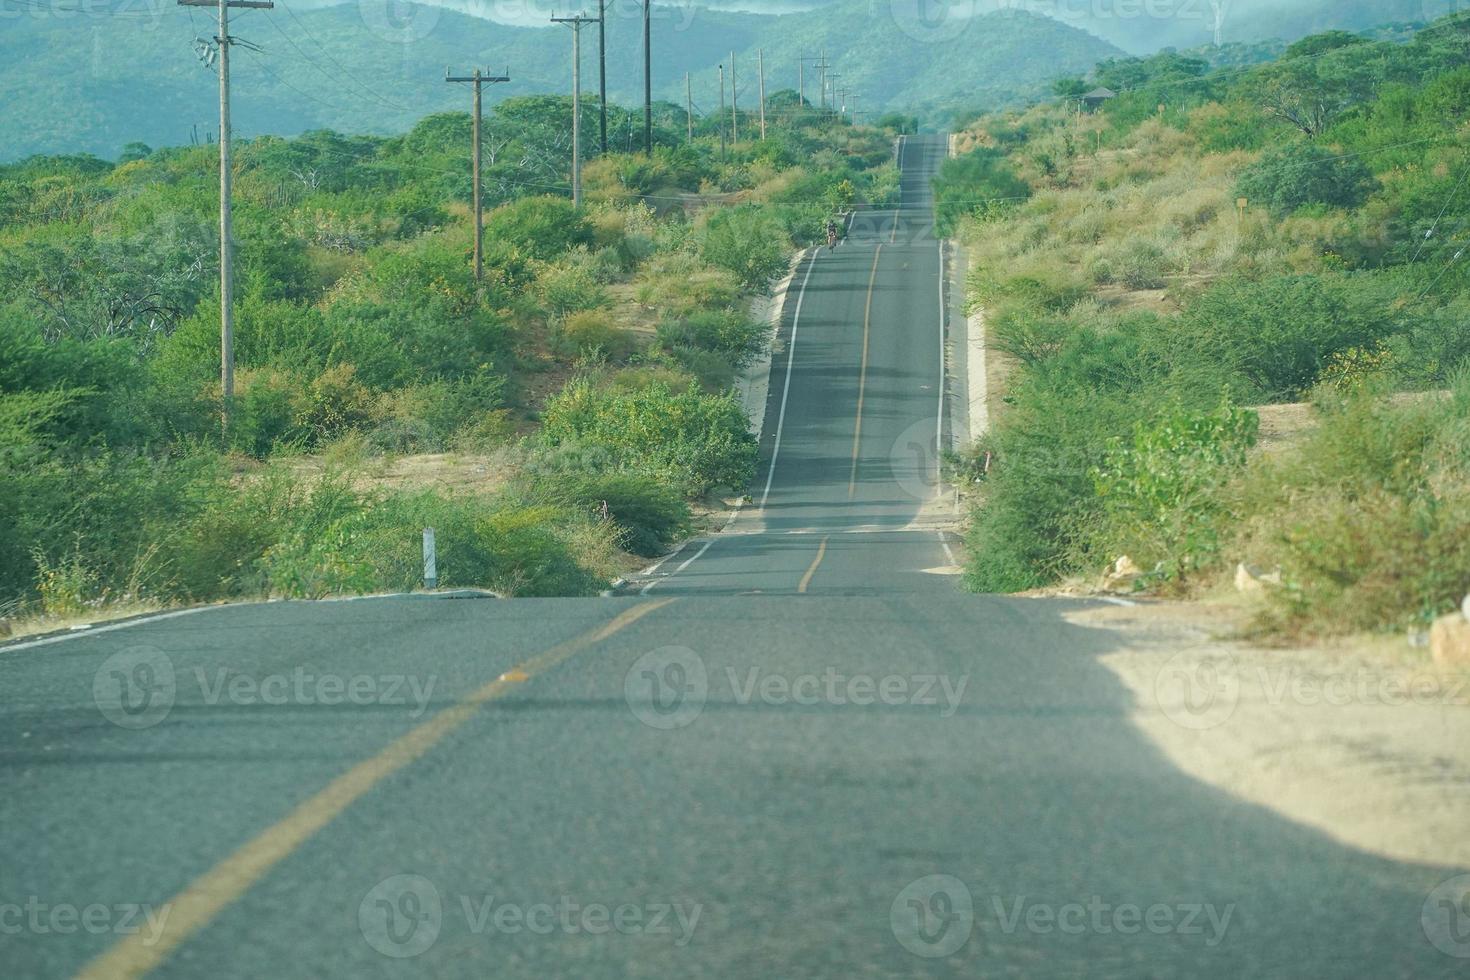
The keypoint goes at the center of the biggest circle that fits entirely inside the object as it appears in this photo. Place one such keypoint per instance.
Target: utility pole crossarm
(482, 78)
(256, 4)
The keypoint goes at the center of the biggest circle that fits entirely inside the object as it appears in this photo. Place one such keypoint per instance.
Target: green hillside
(1277, 257)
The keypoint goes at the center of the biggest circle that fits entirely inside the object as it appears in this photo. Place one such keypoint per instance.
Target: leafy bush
(679, 283)
(1298, 174)
(565, 288)
(1368, 520)
(728, 333)
(1159, 489)
(649, 514)
(539, 227)
(979, 184)
(696, 441)
(591, 330)
(1278, 334)
(747, 242)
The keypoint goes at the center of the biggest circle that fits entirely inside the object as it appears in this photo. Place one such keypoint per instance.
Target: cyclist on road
(831, 234)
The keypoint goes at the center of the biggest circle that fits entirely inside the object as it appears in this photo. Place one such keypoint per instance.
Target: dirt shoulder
(1364, 739)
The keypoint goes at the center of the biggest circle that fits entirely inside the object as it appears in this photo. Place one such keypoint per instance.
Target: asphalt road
(881, 777)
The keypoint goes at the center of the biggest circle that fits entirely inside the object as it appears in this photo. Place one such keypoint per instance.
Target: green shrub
(680, 283)
(650, 515)
(1298, 174)
(593, 330)
(564, 288)
(747, 242)
(729, 333)
(980, 184)
(541, 228)
(1159, 489)
(1368, 520)
(695, 440)
(1276, 335)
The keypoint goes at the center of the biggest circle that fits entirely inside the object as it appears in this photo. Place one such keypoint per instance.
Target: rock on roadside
(1449, 641)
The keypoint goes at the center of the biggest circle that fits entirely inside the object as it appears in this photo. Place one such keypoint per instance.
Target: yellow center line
(857, 429)
(197, 905)
(812, 570)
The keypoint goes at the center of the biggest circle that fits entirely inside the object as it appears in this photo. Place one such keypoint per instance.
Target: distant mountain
(131, 72)
(1145, 26)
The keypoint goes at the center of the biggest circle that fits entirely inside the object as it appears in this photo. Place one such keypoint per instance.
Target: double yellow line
(197, 905)
(857, 429)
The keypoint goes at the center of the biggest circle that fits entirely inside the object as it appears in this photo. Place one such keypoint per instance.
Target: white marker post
(431, 571)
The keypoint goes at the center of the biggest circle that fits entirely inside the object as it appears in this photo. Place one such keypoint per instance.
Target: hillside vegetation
(588, 375)
(1144, 312)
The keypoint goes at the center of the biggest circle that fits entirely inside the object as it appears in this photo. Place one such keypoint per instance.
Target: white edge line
(685, 564)
(945, 543)
(1113, 599)
(93, 631)
(939, 418)
(786, 386)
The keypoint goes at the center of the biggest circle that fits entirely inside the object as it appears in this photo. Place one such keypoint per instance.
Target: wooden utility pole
(647, 83)
(722, 111)
(226, 234)
(477, 79)
(832, 79)
(822, 67)
(760, 67)
(688, 109)
(734, 104)
(602, 75)
(576, 23)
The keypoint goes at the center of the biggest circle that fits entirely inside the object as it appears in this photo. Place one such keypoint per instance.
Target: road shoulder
(1362, 739)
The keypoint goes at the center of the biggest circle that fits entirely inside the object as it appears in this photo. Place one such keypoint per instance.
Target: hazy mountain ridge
(367, 67)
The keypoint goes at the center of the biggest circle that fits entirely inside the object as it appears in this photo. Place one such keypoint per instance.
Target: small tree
(540, 227)
(1299, 174)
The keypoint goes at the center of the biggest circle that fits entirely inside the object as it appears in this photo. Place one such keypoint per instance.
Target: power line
(324, 73)
(345, 72)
